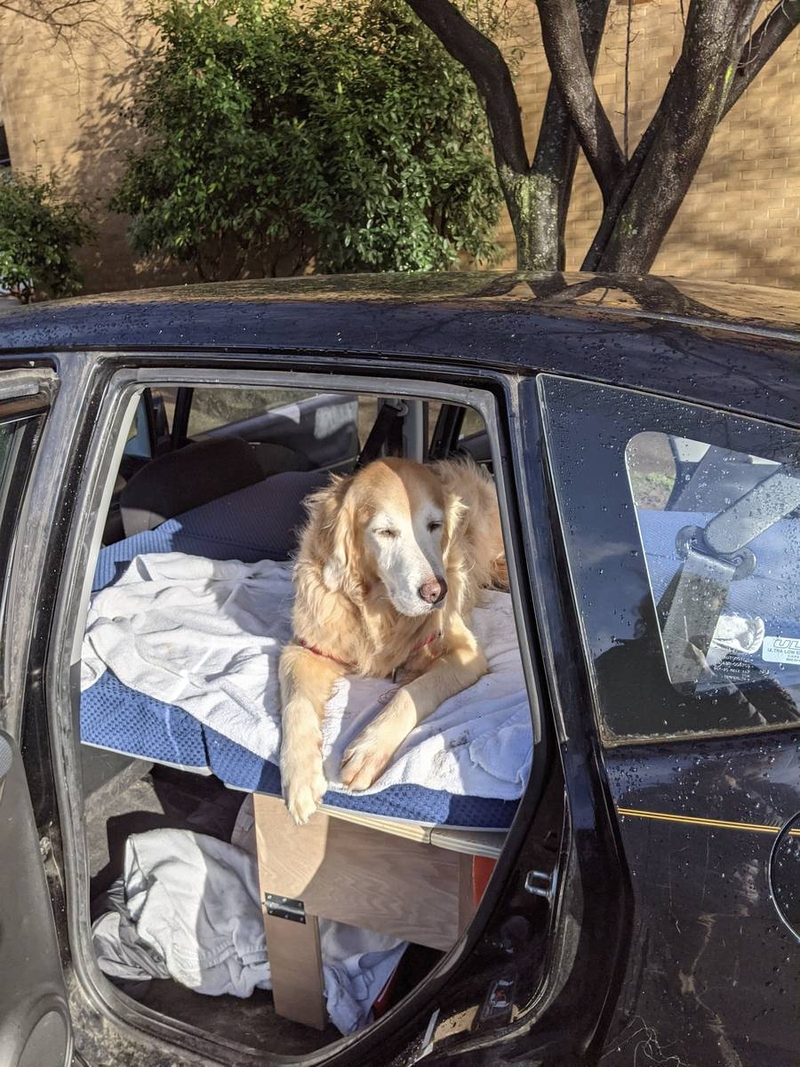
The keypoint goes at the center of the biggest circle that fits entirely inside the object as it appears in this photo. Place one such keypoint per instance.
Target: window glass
(471, 425)
(237, 408)
(722, 549)
(138, 443)
(18, 440)
(682, 531)
(212, 408)
(152, 420)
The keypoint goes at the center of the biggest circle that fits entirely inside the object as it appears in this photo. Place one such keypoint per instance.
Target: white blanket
(187, 908)
(206, 636)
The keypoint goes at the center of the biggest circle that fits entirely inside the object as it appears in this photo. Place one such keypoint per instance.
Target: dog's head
(390, 523)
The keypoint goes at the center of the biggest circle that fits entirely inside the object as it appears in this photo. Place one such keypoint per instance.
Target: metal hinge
(285, 908)
(541, 884)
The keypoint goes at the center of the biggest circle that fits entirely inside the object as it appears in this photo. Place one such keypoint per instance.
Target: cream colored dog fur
(390, 565)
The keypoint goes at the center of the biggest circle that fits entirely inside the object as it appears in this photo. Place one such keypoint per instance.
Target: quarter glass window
(682, 533)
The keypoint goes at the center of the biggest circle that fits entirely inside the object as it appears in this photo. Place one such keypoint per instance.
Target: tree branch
(666, 160)
(68, 21)
(66, 15)
(767, 39)
(556, 152)
(563, 45)
(484, 62)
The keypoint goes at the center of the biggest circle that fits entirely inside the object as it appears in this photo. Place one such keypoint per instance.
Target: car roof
(713, 342)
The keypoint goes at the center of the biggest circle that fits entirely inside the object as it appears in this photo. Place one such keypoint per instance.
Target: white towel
(194, 903)
(188, 909)
(206, 636)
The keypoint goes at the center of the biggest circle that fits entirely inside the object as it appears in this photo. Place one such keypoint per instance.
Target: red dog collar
(428, 641)
(342, 663)
(319, 652)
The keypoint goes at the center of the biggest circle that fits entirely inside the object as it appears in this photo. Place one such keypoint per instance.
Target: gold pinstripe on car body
(695, 820)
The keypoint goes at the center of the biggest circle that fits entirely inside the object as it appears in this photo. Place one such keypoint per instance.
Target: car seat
(182, 480)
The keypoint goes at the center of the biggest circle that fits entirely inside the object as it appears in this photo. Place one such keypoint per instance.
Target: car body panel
(495, 322)
(712, 969)
(35, 1026)
(715, 971)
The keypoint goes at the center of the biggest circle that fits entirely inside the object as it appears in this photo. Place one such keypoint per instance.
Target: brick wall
(61, 104)
(740, 220)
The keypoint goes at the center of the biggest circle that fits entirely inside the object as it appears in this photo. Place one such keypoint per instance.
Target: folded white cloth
(187, 908)
(206, 635)
(191, 904)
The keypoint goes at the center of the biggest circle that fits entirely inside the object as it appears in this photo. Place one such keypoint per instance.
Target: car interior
(220, 473)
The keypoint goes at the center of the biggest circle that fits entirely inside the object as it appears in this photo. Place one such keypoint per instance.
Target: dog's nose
(433, 591)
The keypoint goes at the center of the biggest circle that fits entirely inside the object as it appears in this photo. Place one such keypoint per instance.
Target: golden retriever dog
(390, 565)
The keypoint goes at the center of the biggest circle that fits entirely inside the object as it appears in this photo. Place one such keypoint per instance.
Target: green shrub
(39, 232)
(276, 136)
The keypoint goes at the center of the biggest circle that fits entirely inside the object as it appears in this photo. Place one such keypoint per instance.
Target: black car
(640, 900)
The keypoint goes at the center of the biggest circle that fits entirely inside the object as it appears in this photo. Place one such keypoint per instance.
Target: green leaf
(39, 231)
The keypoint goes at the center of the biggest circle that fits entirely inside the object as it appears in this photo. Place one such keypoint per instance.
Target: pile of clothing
(187, 908)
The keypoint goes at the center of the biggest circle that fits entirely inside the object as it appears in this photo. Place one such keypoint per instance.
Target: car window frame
(493, 395)
(26, 398)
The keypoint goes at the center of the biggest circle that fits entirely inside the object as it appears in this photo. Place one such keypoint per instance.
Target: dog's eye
(388, 534)
(434, 526)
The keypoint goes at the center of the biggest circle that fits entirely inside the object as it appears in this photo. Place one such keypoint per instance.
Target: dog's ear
(456, 477)
(333, 513)
(455, 511)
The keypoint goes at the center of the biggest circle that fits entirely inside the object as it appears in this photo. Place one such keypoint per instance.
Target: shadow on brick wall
(93, 168)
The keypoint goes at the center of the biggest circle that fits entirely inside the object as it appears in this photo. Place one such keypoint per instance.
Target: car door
(692, 648)
(35, 1028)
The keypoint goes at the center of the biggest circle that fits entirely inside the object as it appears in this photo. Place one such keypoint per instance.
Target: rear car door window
(682, 533)
(213, 409)
(21, 422)
(722, 551)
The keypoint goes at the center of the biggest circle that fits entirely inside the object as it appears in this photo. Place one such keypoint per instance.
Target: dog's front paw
(370, 754)
(365, 761)
(303, 791)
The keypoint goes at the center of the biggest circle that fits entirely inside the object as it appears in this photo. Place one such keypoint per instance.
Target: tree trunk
(539, 199)
(714, 70)
(540, 243)
(638, 216)
(532, 201)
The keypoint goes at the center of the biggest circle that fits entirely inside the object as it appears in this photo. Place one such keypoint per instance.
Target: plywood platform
(354, 872)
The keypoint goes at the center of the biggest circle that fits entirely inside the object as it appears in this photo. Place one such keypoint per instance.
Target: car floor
(167, 798)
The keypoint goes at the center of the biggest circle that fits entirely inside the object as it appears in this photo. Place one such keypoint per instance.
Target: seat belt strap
(387, 431)
(763, 506)
(699, 596)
